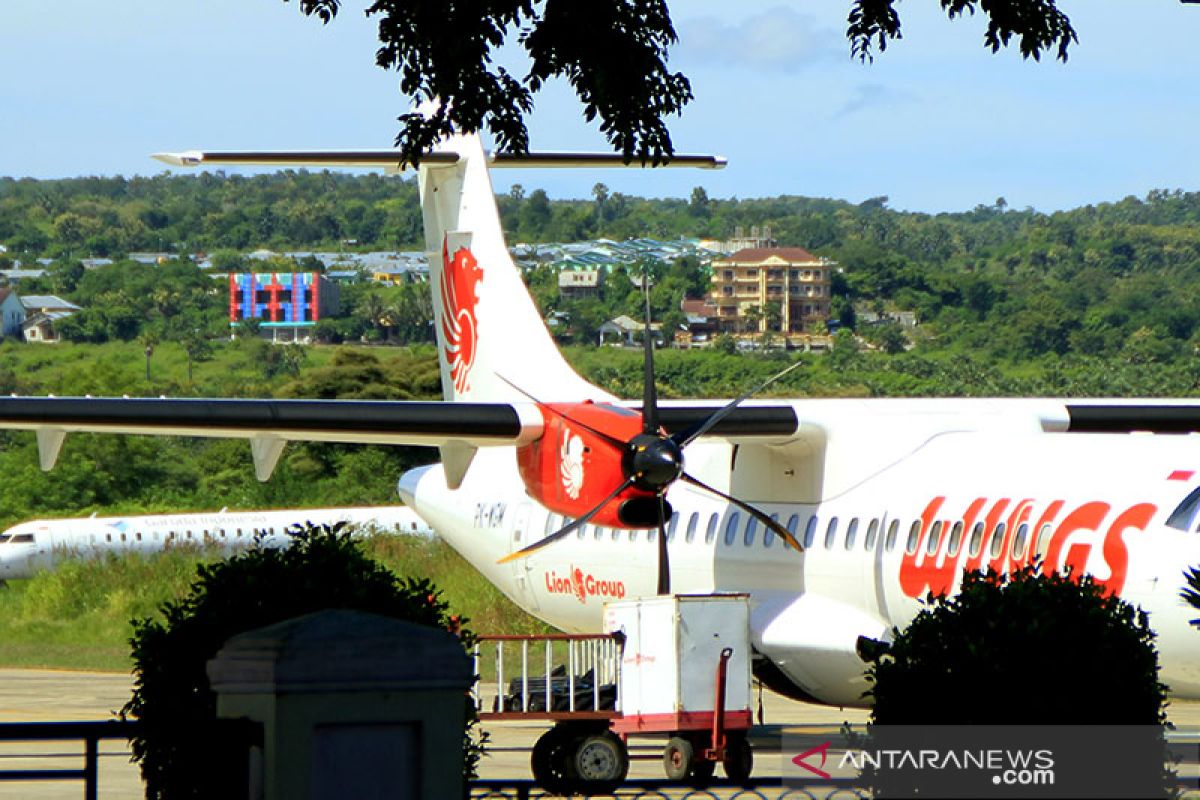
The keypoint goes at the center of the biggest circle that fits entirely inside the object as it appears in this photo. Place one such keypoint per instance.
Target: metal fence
(90, 733)
(836, 789)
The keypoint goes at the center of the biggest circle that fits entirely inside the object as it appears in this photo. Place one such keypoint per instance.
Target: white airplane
(834, 515)
(40, 544)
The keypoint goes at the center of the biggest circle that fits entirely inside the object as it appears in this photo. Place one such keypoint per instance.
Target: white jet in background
(41, 544)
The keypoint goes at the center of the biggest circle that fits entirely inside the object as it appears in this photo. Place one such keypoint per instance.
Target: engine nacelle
(819, 644)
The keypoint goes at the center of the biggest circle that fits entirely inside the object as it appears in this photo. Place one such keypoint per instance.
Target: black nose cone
(655, 462)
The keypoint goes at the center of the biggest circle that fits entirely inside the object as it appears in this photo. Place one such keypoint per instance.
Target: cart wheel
(739, 758)
(598, 762)
(548, 761)
(677, 758)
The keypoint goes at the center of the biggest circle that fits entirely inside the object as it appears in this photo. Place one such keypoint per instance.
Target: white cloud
(776, 40)
(872, 96)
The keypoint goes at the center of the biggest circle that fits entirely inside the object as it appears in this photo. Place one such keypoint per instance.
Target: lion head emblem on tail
(459, 290)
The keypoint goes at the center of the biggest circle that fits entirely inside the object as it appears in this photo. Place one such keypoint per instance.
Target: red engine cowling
(570, 469)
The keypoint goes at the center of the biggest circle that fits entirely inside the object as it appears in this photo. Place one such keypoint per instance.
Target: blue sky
(936, 122)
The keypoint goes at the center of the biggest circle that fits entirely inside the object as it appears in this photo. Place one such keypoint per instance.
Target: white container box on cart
(669, 666)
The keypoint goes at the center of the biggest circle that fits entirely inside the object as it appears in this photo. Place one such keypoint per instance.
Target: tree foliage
(323, 568)
(1044, 646)
(613, 53)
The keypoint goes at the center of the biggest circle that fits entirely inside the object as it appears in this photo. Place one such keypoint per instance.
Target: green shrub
(179, 743)
(1191, 593)
(1022, 649)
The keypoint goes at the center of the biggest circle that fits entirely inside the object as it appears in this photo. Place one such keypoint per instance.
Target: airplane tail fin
(492, 342)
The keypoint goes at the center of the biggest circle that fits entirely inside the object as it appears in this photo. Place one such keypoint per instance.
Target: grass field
(78, 615)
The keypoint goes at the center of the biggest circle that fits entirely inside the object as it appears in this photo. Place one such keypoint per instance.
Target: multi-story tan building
(783, 289)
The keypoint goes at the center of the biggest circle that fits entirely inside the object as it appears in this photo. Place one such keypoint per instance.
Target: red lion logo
(460, 292)
(577, 581)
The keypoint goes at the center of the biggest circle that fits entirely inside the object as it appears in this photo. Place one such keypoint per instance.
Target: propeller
(652, 460)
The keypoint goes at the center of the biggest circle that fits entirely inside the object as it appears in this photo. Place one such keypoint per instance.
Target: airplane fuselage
(885, 533)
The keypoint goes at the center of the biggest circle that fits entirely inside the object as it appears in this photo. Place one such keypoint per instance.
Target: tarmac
(36, 695)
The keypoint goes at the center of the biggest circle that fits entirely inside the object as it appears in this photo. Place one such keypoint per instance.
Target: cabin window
(551, 524)
(693, 523)
(222, 532)
(831, 533)
(810, 531)
(1018, 546)
(189, 534)
(239, 533)
(710, 533)
(731, 526)
(633, 534)
(599, 533)
(935, 538)
(751, 529)
(616, 534)
(138, 536)
(976, 541)
(652, 534)
(793, 525)
(872, 535)
(914, 536)
(122, 537)
(998, 540)
(889, 542)
(108, 537)
(581, 531)
(1043, 542)
(672, 526)
(851, 532)
(955, 539)
(769, 533)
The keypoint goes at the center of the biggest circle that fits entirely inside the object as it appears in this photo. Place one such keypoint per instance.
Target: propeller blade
(649, 392)
(780, 531)
(685, 437)
(561, 532)
(664, 564)
(615, 442)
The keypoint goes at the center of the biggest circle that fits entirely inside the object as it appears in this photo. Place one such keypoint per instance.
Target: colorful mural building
(286, 304)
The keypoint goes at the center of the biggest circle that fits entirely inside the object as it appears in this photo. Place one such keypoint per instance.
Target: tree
(197, 347)
(614, 54)
(1081, 642)
(324, 567)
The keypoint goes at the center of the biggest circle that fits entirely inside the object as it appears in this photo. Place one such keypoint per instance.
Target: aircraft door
(520, 536)
(41, 549)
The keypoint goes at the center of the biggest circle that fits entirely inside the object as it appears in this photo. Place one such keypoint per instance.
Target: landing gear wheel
(739, 758)
(677, 758)
(598, 762)
(548, 761)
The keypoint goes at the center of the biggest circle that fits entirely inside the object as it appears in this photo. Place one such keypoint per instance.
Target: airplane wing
(270, 424)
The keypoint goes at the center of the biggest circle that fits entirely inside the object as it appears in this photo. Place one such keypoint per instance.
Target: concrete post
(352, 705)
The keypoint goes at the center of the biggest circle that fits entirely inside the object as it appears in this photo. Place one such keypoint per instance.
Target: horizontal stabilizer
(391, 159)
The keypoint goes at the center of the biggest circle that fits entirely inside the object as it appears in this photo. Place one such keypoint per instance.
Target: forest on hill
(1114, 280)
